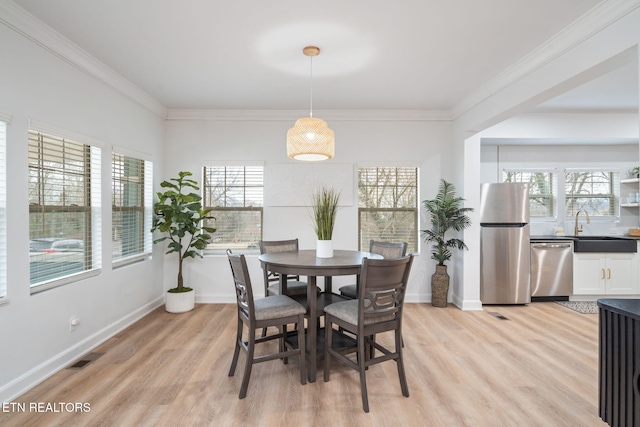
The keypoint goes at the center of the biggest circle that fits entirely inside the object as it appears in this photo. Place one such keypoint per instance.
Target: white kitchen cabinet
(605, 273)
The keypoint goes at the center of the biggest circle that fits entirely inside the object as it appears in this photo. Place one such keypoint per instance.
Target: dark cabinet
(619, 362)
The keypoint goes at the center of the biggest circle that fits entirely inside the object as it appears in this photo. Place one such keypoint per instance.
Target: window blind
(388, 206)
(64, 210)
(131, 205)
(236, 195)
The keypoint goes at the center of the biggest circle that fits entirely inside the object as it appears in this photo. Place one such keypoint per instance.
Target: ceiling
(247, 54)
(614, 91)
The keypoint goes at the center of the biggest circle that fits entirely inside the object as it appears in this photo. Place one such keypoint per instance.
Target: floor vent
(86, 359)
(498, 315)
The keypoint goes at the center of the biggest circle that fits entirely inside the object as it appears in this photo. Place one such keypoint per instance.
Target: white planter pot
(324, 248)
(180, 302)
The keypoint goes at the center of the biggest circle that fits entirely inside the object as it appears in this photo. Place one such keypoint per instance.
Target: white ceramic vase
(324, 249)
(180, 302)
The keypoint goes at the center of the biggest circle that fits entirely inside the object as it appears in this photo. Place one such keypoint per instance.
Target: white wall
(387, 142)
(35, 339)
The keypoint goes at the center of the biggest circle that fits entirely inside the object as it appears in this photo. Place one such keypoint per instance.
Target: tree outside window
(235, 193)
(388, 206)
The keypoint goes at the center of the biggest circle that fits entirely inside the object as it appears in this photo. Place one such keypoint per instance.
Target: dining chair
(387, 250)
(277, 310)
(377, 309)
(271, 279)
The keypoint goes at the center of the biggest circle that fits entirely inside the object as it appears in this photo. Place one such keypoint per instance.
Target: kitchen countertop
(551, 237)
(572, 238)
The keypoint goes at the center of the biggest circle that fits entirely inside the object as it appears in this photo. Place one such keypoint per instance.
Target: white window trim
(64, 280)
(34, 125)
(132, 153)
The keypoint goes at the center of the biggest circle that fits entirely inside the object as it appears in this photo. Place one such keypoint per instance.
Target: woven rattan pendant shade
(310, 139)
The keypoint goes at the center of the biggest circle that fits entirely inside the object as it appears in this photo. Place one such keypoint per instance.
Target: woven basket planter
(440, 286)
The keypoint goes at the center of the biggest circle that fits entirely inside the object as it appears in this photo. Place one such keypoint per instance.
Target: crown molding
(594, 21)
(38, 32)
(594, 111)
(292, 115)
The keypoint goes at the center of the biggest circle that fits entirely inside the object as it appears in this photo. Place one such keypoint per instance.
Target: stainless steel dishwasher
(551, 268)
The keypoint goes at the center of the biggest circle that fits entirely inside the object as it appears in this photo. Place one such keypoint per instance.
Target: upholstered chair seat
(277, 306)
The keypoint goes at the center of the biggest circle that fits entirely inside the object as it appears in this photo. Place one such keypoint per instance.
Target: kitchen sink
(604, 244)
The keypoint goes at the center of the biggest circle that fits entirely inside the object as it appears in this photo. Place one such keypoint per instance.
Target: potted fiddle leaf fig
(325, 209)
(446, 213)
(179, 215)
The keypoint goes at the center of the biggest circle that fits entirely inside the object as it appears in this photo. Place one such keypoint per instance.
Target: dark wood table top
(305, 262)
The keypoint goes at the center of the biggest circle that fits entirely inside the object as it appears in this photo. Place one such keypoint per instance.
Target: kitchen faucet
(577, 230)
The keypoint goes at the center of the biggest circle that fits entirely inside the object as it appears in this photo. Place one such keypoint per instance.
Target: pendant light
(310, 139)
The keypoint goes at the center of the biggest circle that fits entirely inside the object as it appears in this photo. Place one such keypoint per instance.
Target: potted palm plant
(446, 213)
(325, 209)
(179, 214)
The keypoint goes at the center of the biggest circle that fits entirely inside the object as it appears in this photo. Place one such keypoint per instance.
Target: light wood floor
(539, 368)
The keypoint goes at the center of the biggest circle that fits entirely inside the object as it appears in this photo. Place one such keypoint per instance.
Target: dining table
(306, 263)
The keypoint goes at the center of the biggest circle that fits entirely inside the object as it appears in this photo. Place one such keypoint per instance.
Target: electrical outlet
(73, 323)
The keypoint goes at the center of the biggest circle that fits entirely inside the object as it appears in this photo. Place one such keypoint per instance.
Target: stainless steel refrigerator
(504, 244)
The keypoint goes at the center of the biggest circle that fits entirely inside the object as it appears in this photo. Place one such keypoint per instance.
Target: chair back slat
(382, 303)
(388, 250)
(242, 281)
(383, 284)
(274, 246)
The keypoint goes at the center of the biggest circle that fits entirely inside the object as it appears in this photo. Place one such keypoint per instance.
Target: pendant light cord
(311, 88)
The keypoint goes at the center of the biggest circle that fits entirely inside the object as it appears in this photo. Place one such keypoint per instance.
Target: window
(64, 210)
(388, 206)
(131, 182)
(596, 192)
(235, 194)
(561, 195)
(3, 210)
(542, 191)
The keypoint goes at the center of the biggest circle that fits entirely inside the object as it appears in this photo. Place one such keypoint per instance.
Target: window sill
(45, 286)
(131, 260)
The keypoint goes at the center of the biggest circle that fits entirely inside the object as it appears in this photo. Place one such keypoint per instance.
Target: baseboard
(467, 305)
(409, 298)
(416, 298)
(35, 376)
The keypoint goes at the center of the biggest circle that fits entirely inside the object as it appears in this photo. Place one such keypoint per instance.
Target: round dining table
(306, 263)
